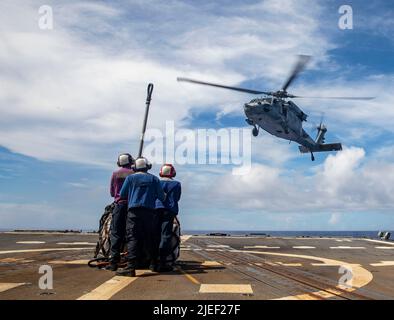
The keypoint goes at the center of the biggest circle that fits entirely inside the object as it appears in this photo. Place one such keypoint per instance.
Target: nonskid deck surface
(210, 267)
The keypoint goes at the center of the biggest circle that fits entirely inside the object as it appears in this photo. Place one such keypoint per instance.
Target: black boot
(129, 271)
(113, 266)
(153, 267)
(165, 267)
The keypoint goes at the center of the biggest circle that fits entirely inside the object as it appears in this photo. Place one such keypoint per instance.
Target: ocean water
(352, 234)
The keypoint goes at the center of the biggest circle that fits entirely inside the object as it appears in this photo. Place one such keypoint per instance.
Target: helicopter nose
(250, 106)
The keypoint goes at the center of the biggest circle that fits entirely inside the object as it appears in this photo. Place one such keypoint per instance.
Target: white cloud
(82, 85)
(339, 169)
(344, 182)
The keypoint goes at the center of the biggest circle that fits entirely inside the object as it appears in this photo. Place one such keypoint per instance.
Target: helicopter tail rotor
(321, 131)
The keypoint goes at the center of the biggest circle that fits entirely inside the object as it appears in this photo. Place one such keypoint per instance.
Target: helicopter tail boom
(322, 148)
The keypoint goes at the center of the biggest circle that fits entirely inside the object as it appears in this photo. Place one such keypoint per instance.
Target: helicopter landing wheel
(255, 132)
(312, 157)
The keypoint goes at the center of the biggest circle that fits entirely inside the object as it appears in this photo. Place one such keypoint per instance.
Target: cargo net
(103, 246)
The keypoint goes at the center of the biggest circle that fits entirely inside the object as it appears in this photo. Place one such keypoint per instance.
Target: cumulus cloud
(344, 182)
(82, 85)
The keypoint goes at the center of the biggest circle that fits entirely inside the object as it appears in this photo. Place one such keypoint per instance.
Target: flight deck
(209, 267)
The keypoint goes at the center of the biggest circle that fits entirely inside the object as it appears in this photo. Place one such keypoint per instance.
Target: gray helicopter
(281, 117)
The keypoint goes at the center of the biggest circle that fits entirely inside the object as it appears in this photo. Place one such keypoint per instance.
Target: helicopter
(281, 117)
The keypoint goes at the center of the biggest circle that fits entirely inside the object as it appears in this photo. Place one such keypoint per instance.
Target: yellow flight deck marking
(226, 288)
(8, 286)
(111, 287)
(383, 264)
(68, 262)
(211, 263)
(346, 247)
(185, 238)
(260, 247)
(30, 242)
(43, 250)
(289, 264)
(11, 260)
(335, 264)
(217, 246)
(303, 247)
(190, 277)
(361, 276)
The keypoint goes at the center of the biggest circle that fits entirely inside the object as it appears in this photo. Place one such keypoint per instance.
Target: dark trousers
(141, 235)
(166, 219)
(118, 231)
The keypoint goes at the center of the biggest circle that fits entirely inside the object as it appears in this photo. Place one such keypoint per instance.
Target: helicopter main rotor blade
(338, 98)
(221, 86)
(302, 61)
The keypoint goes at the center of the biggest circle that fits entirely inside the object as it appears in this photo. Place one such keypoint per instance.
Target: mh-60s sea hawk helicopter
(281, 117)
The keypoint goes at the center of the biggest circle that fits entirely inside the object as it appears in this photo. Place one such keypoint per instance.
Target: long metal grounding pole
(148, 100)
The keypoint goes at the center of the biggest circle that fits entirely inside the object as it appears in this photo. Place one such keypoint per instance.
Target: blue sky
(71, 100)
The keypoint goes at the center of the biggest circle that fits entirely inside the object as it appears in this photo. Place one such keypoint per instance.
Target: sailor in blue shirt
(142, 189)
(167, 211)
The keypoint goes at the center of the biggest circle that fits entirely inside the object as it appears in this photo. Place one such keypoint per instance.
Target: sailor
(167, 210)
(142, 189)
(118, 222)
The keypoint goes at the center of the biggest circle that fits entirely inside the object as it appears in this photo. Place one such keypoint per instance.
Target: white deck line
(30, 242)
(347, 247)
(111, 287)
(226, 288)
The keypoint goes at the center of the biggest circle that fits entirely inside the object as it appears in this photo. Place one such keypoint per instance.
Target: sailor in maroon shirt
(118, 223)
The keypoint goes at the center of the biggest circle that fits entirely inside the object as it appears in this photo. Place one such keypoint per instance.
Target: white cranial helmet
(125, 159)
(142, 164)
